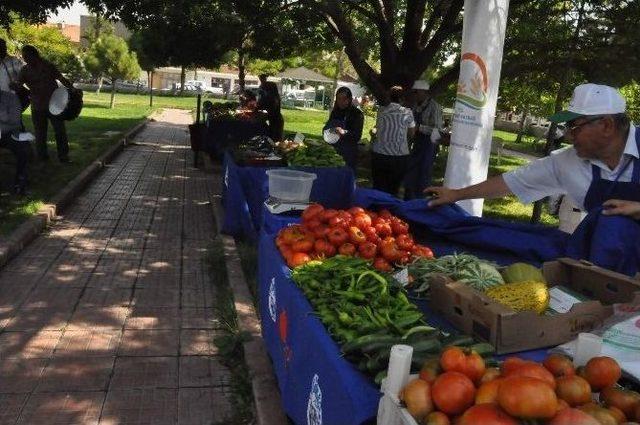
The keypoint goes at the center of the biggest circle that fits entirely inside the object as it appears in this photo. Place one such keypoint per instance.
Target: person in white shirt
(428, 116)
(601, 169)
(390, 157)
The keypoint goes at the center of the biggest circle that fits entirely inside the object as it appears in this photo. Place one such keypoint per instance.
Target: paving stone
(53, 297)
(149, 343)
(198, 342)
(76, 374)
(149, 317)
(27, 265)
(20, 375)
(11, 407)
(66, 408)
(67, 279)
(203, 371)
(145, 372)
(89, 343)
(37, 318)
(114, 272)
(140, 407)
(28, 344)
(199, 406)
(202, 297)
(44, 247)
(158, 278)
(157, 296)
(13, 290)
(98, 318)
(105, 297)
(199, 318)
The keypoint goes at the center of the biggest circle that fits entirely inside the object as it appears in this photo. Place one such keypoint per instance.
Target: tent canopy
(303, 74)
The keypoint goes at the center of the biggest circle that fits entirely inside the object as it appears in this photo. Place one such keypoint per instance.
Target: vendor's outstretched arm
(494, 187)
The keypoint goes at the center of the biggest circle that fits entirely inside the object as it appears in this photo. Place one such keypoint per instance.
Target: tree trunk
(339, 68)
(150, 82)
(241, 69)
(183, 74)
(99, 85)
(521, 127)
(113, 93)
(195, 74)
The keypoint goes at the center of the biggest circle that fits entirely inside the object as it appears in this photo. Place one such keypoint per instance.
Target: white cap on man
(590, 100)
(421, 85)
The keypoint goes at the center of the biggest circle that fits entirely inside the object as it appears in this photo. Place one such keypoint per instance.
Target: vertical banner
(472, 127)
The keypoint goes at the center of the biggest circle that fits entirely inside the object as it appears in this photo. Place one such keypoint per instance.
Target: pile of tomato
(377, 236)
(458, 389)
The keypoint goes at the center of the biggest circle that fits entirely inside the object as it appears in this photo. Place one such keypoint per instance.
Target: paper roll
(399, 368)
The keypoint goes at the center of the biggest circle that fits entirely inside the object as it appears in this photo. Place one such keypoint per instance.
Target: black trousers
(388, 172)
(276, 126)
(40, 125)
(21, 151)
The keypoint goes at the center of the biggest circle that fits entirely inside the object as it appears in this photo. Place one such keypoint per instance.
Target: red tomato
(337, 236)
(381, 264)
(356, 210)
(324, 248)
(390, 252)
(337, 221)
(422, 251)
(399, 227)
(347, 249)
(383, 230)
(298, 259)
(312, 211)
(303, 245)
(363, 221)
(405, 242)
(345, 216)
(312, 223)
(356, 235)
(320, 231)
(327, 215)
(367, 250)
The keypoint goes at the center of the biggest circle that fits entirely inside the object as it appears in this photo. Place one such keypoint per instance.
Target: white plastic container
(290, 185)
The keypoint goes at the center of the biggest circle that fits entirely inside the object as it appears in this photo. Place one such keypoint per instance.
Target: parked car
(200, 87)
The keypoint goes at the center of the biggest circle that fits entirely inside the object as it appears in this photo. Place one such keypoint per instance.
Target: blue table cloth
(315, 381)
(246, 188)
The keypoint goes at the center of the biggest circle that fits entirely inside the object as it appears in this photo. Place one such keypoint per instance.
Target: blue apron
(421, 159)
(612, 242)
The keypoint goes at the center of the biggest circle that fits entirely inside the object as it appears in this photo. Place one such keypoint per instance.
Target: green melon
(522, 272)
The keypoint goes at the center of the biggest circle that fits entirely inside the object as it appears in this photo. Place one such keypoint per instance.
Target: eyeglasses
(573, 128)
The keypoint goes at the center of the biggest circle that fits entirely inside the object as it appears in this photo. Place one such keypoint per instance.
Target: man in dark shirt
(270, 101)
(41, 77)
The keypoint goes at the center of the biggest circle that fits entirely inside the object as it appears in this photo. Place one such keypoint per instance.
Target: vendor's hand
(341, 131)
(621, 207)
(441, 195)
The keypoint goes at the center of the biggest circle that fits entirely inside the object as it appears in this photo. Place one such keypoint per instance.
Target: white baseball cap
(421, 85)
(592, 99)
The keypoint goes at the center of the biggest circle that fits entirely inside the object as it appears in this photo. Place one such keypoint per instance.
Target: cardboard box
(509, 331)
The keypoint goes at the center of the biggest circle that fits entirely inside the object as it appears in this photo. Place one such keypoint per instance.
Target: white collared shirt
(566, 173)
(13, 65)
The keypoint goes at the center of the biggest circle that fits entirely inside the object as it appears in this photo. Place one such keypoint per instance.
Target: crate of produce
(576, 297)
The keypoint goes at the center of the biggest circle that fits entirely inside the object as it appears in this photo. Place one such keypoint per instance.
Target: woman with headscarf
(346, 122)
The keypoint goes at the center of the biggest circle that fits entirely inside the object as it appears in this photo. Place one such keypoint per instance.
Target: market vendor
(602, 164)
(347, 121)
(269, 101)
(428, 116)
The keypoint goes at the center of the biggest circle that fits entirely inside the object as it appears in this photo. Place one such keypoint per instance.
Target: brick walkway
(108, 318)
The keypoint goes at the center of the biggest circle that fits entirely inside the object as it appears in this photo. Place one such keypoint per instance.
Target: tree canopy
(33, 11)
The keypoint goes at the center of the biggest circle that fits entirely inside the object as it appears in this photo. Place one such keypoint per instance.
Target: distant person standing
(41, 77)
(269, 100)
(429, 124)
(394, 127)
(346, 120)
(11, 116)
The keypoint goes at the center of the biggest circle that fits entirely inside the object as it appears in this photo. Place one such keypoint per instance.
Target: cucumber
(483, 348)
(418, 332)
(361, 341)
(458, 341)
(428, 345)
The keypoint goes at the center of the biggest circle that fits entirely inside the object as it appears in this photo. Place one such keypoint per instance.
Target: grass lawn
(97, 128)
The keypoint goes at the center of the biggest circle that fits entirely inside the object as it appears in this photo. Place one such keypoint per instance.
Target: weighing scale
(278, 206)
